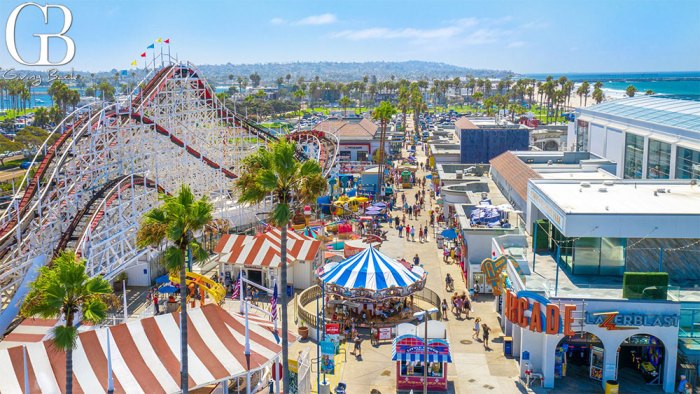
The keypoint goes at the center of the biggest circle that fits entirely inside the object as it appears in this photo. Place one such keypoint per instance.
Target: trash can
(508, 346)
(611, 387)
(440, 241)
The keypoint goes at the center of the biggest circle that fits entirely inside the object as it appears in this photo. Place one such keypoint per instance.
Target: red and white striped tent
(263, 250)
(145, 355)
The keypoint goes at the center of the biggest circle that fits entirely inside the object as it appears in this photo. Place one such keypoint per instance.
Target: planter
(303, 332)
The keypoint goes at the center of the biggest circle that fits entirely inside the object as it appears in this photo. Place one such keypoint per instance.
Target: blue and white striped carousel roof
(372, 270)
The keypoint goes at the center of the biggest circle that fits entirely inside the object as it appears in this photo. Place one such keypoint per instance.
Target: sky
(522, 36)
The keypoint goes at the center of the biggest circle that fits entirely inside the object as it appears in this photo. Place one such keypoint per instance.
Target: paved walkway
(474, 369)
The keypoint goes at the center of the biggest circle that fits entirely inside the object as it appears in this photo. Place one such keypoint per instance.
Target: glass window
(415, 368)
(586, 256)
(581, 136)
(659, 160)
(612, 256)
(687, 163)
(634, 153)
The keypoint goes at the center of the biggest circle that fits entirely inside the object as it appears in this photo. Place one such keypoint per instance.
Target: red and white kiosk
(408, 351)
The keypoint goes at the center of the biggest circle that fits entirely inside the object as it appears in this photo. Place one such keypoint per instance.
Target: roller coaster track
(83, 192)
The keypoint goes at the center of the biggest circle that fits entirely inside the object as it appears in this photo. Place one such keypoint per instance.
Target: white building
(650, 137)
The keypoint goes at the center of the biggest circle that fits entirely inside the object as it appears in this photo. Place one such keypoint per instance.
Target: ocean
(682, 85)
(40, 98)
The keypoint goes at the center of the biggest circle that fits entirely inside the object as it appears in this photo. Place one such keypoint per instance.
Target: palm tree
(598, 95)
(584, 90)
(345, 103)
(404, 104)
(630, 91)
(383, 114)
(63, 289)
(176, 221)
(274, 170)
(299, 95)
(648, 92)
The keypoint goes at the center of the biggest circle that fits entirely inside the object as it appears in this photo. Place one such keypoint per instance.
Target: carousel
(370, 287)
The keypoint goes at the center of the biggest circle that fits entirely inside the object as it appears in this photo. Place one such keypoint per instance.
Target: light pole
(419, 315)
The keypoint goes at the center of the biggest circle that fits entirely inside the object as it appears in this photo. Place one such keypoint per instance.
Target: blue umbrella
(450, 233)
(379, 205)
(429, 176)
(162, 279)
(167, 289)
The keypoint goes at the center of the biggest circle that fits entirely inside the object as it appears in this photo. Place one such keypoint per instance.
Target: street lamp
(419, 316)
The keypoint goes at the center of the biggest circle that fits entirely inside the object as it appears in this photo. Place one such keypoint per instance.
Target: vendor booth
(408, 351)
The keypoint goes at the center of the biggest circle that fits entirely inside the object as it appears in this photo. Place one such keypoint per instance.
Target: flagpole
(240, 288)
(162, 64)
(110, 380)
(26, 369)
(247, 333)
(274, 286)
(126, 313)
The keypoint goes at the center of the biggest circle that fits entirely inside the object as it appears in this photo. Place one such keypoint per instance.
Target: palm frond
(173, 259)
(64, 338)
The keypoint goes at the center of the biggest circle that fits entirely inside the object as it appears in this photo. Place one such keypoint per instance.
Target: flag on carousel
(273, 304)
(152, 46)
(133, 63)
(167, 41)
(237, 288)
(159, 39)
(143, 54)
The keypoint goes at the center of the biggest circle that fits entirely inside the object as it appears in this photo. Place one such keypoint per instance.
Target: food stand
(409, 353)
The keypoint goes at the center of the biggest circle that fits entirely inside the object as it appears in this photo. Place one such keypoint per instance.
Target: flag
(133, 63)
(167, 41)
(159, 39)
(152, 46)
(237, 288)
(124, 72)
(273, 304)
(143, 54)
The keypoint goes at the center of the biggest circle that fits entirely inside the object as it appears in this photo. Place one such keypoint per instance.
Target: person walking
(156, 306)
(467, 305)
(400, 228)
(486, 331)
(408, 232)
(420, 234)
(449, 284)
(458, 307)
(443, 306)
(396, 221)
(416, 259)
(357, 350)
(413, 233)
(477, 324)
(476, 290)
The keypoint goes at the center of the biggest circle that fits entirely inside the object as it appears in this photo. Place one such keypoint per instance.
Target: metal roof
(682, 114)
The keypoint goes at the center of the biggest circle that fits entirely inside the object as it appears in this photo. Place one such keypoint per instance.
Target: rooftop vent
(661, 190)
(549, 162)
(603, 189)
(608, 183)
(585, 184)
(459, 174)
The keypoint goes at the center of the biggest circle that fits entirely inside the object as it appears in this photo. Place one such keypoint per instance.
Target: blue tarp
(450, 233)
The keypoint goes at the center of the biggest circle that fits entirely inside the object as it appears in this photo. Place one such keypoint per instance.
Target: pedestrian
(683, 385)
(476, 290)
(374, 333)
(458, 307)
(410, 212)
(445, 254)
(448, 283)
(425, 233)
(408, 232)
(156, 306)
(357, 350)
(486, 331)
(452, 254)
(403, 219)
(477, 323)
(400, 228)
(467, 305)
(396, 221)
(413, 233)
(444, 308)
(420, 234)
(416, 259)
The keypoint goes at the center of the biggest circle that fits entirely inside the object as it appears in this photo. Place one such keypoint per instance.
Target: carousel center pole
(323, 320)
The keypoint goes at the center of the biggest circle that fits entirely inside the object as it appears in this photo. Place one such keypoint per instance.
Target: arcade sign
(536, 313)
(613, 321)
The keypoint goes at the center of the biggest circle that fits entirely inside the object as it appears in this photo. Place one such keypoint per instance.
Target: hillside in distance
(346, 71)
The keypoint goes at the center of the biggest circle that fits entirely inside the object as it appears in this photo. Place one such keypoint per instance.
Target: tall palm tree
(345, 103)
(175, 222)
(274, 170)
(383, 114)
(63, 289)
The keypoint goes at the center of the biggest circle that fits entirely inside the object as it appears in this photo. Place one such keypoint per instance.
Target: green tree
(383, 114)
(7, 146)
(345, 102)
(630, 91)
(583, 91)
(176, 221)
(598, 95)
(274, 170)
(299, 95)
(41, 117)
(404, 105)
(417, 105)
(649, 92)
(255, 79)
(63, 289)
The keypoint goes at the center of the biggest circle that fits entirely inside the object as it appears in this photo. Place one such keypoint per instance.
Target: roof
(514, 172)
(145, 355)
(30, 330)
(682, 114)
(348, 129)
(463, 123)
(263, 250)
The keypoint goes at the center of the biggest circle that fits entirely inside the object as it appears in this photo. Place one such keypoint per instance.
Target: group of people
(411, 232)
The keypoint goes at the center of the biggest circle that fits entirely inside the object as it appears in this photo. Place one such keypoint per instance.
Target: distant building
(359, 138)
(482, 140)
(651, 137)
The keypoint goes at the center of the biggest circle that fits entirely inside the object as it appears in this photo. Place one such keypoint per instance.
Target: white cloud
(323, 19)
(277, 21)
(483, 36)
(381, 32)
(516, 44)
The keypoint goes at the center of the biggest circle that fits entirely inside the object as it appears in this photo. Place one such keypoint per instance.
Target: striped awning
(372, 270)
(145, 355)
(411, 348)
(263, 250)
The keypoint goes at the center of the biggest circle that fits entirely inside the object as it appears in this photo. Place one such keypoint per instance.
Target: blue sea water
(684, 85)
(40, 98)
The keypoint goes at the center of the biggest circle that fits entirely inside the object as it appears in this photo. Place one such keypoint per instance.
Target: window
(659, 161)
(634, 153)
(687, 163)
(581, 136)
(415, 368)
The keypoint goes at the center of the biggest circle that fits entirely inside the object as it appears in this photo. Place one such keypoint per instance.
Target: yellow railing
(215, 290)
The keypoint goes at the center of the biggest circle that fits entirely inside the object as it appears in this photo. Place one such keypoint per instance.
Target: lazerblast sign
(535, 312)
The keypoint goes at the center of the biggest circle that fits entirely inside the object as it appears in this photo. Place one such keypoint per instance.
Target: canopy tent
(374, 273)
(263, 250)
(145, 355)
(449, 233)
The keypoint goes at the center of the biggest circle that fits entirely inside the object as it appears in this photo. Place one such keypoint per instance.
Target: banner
(327, 357)
(384, 333)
